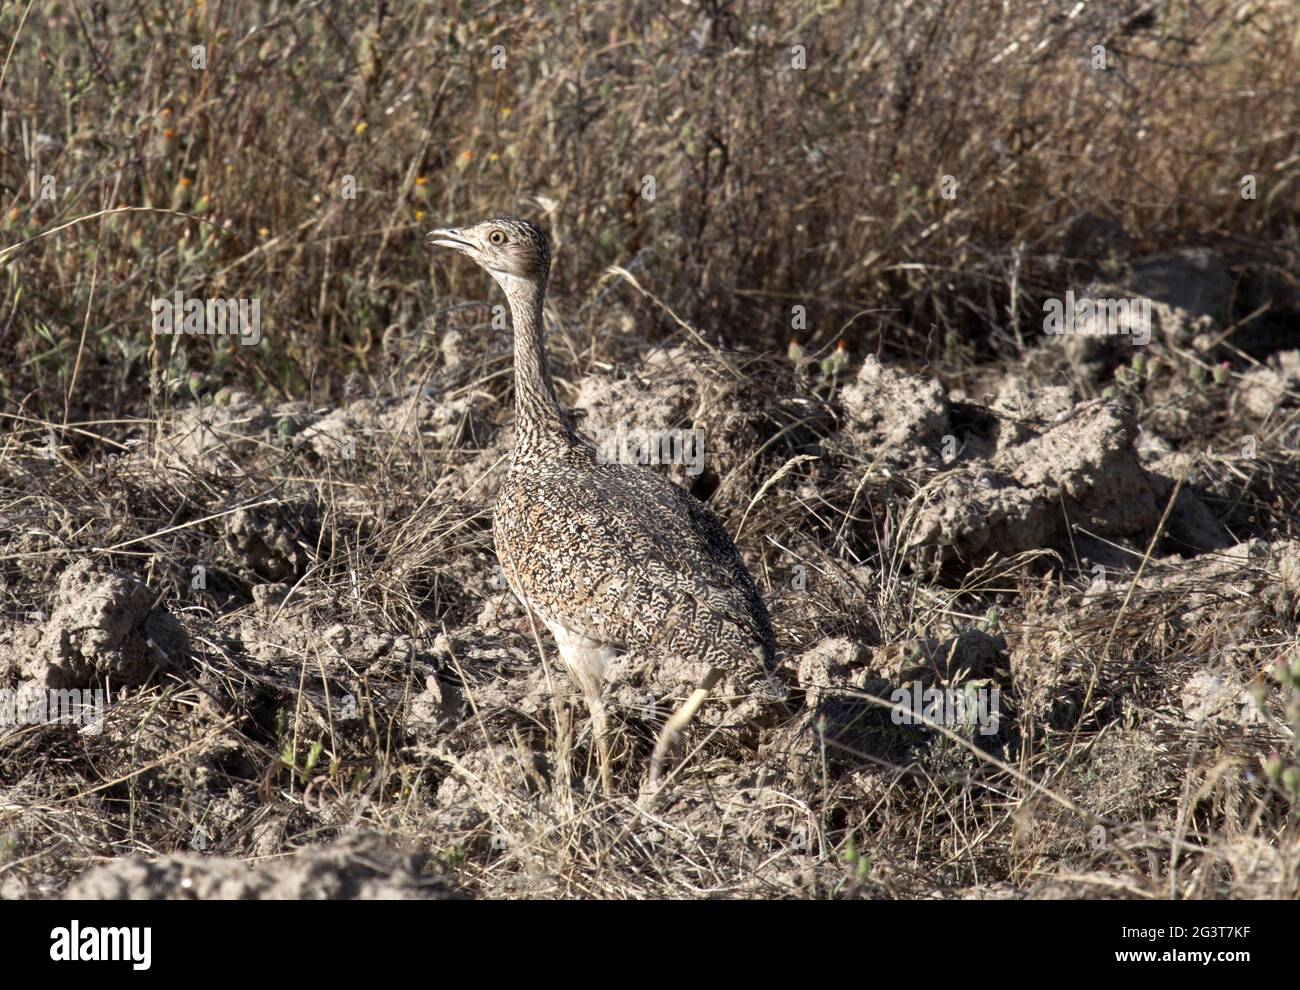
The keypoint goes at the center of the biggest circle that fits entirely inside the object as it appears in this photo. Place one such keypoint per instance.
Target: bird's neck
(538, 417)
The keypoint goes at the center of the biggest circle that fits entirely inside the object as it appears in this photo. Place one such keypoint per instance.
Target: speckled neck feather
(539, 421)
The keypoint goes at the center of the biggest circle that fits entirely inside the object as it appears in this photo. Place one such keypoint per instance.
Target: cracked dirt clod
(100, 630)
(1025, 473)
(674, 390)
(368, 427)
(1263, 389)
(354, 868)
(264, 545)
(1084, 471)
(1189, 292)
(831, 664)
(893, 412)
(233, 423)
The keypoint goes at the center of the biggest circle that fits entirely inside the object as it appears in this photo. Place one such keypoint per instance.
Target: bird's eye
(497, 237)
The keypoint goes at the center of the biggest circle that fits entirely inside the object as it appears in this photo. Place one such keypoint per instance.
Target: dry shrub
(773, 186)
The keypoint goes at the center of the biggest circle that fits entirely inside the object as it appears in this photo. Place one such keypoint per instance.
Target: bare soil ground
(1128, 581)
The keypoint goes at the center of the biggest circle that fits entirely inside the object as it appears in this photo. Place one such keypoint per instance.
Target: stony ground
(317, 687)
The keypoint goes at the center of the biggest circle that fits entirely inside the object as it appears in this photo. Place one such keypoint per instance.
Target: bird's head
(509, 249)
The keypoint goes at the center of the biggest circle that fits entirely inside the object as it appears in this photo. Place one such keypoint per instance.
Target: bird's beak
(448, 237)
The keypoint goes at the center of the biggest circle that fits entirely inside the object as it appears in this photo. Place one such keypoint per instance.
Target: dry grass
(1098, 783)
(774, 188)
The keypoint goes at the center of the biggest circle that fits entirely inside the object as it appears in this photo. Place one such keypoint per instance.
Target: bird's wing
(624, 556)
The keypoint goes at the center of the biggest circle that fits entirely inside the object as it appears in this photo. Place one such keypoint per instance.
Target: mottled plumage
(612, 558)
(620, 555)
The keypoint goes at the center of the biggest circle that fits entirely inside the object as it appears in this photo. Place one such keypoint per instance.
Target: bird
(612, 558)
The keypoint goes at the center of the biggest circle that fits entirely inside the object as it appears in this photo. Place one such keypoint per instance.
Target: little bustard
(612, 558)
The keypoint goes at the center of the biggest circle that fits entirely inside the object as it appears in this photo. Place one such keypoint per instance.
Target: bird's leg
(600, 730)
(668, 745)
(586, 665)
